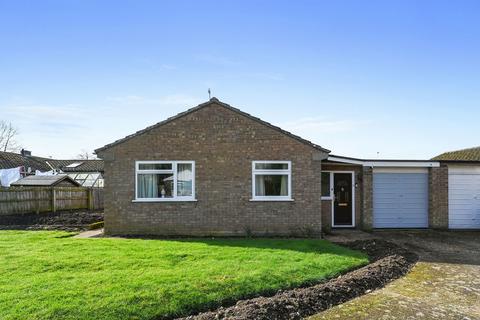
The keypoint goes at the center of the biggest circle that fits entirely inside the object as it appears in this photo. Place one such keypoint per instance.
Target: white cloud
(257, 75)
(176, 99)
(168, 67)
(43, 112)
(314, 126)
(216, 60)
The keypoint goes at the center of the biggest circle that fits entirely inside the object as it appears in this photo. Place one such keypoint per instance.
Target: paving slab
(445, 284)
(90, 234)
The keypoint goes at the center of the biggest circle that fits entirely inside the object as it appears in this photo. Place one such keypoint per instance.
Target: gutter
(387, 163)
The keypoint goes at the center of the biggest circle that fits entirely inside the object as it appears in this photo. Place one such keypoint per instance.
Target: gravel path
(445, 284)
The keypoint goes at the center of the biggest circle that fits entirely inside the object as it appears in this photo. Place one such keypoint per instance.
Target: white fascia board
(402, 164)
(344, 160)
(387, 164)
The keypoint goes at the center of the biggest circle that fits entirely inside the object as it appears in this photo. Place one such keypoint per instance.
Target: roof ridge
(213, 100)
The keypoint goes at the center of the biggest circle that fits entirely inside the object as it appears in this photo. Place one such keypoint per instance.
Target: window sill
(164, 200)
(327, 198)
(270, 200)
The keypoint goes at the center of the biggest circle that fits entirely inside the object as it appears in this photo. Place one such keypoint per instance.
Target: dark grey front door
(343, 200)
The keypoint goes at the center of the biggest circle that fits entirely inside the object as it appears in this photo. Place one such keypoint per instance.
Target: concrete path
(445, 284)
(90, 234)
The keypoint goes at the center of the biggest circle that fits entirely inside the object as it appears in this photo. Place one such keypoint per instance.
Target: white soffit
(387, 164)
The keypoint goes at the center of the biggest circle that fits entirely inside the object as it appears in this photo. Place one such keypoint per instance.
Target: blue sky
(389, 79)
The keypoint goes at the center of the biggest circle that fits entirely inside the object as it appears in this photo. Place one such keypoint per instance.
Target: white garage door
(400, 199)
(464, 197)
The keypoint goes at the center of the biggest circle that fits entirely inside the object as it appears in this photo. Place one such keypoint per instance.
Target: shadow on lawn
(316, 246)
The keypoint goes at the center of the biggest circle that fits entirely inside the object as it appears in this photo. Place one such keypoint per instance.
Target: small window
(155, 166)
(165, 180)
(73, 165)
(271, 180)
(326, 185)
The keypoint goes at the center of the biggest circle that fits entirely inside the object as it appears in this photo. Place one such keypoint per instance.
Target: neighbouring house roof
(95, 165)
(463, 155)
(383, 162)
(44, 181)
(12, 160)
(206, 104)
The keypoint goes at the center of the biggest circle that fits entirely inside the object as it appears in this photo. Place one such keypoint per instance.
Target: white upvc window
(271, 181)
(327, 185)
(164, 181)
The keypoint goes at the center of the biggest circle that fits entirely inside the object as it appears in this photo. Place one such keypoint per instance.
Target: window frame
(329, 197)
(282, 172)
(174, 170)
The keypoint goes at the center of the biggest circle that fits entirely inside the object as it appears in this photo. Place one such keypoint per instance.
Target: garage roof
(469, 154)
(44, 181)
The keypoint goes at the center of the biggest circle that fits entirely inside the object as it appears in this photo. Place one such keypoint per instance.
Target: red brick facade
(223, 144)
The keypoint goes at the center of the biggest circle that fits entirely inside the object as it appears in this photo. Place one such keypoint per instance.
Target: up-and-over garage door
(400, 198)
(464, 198)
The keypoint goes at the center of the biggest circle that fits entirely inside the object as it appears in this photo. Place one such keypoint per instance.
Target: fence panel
(17, 200)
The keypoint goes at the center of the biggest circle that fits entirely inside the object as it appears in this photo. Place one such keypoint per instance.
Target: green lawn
(49, 275)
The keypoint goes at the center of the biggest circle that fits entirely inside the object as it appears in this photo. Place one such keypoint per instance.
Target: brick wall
(367, 219)
(223, 144)
(326, 215)
(438, 197)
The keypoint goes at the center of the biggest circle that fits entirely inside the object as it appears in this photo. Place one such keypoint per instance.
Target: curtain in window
(271, 185)
(259, 185)
(283, 186)
(147, 186)
(184, 179)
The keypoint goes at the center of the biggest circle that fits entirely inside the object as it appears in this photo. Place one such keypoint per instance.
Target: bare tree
(8, 135)
(85, 155)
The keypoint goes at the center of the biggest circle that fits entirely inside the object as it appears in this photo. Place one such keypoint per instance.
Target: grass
(49, 275)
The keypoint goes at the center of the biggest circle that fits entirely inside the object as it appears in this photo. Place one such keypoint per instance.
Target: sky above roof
(368, 79)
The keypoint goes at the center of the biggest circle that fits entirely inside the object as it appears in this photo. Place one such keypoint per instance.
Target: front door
(342, 200)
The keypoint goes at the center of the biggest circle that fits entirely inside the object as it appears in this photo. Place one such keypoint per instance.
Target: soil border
(64, 220)
(388, 262)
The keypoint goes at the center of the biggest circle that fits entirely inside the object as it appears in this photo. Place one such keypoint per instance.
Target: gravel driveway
(445, 284)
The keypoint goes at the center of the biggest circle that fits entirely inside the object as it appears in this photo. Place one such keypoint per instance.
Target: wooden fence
(17, 200)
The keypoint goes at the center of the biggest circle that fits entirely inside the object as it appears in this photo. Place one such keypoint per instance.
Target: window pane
(271, 185)
(184, 179)
(271, 166)
(325, 184)
(155, 185)
(155, 166)
(82, 176)
(99, 183)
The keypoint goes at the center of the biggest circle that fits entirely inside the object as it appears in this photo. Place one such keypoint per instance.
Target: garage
(400, 198)
(464, 197)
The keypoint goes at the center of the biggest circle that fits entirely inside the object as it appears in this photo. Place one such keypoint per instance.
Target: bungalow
(216, 170)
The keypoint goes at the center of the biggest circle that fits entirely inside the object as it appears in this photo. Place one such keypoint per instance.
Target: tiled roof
(83, 165)
(12, 160)
(203, 105)
(470, 154)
